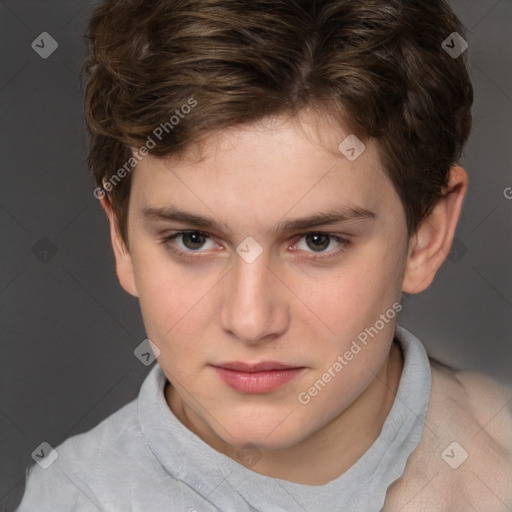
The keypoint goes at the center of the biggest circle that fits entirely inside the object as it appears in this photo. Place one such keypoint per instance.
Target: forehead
(308, 135)
(264, 171)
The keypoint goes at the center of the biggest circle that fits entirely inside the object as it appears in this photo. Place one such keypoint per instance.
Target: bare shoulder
(464, 458)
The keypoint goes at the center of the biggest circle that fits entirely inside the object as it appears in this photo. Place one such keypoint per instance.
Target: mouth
(262, 377)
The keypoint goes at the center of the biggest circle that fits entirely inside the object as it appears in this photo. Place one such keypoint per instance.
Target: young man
(276, 173)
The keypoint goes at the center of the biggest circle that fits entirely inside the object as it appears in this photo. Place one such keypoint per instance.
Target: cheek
(379, 271)
(358, 288)
(179, 305)
(171, 298)
(350, 300)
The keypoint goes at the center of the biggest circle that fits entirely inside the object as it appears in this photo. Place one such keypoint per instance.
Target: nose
(254, 309)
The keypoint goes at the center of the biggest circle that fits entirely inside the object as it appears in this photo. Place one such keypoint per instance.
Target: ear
(124, 265)
(431, 244)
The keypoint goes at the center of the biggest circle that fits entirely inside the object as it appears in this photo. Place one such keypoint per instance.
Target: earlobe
(431, 243)
(123, 258)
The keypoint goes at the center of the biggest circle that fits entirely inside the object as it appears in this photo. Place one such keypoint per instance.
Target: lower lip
(257, 382)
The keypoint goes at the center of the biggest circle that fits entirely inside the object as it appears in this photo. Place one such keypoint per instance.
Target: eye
(321, 243)
(189, 241)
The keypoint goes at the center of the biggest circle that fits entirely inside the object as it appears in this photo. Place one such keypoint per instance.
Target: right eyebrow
(176, 215)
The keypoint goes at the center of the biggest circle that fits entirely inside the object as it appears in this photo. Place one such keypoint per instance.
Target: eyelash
(315, 257)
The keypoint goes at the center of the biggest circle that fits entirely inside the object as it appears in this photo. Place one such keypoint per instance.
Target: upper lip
(263, 366)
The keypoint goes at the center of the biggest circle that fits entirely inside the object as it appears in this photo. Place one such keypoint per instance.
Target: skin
(285, 306)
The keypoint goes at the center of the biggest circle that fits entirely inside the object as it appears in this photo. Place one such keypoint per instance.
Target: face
(271, 248)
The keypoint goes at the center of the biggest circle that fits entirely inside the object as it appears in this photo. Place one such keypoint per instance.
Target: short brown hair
(377, 64)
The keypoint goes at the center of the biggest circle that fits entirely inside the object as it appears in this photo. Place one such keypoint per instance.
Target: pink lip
(256, 378)
(263, 366)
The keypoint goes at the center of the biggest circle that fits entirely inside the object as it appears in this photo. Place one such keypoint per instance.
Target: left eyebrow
(334, 216)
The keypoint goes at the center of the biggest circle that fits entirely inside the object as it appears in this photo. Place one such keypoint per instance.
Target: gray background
(69, 330)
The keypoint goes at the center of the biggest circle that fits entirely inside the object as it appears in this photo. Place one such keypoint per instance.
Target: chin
(274, 437)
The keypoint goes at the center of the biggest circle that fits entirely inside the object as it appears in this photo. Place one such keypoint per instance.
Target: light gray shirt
(143, 459)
